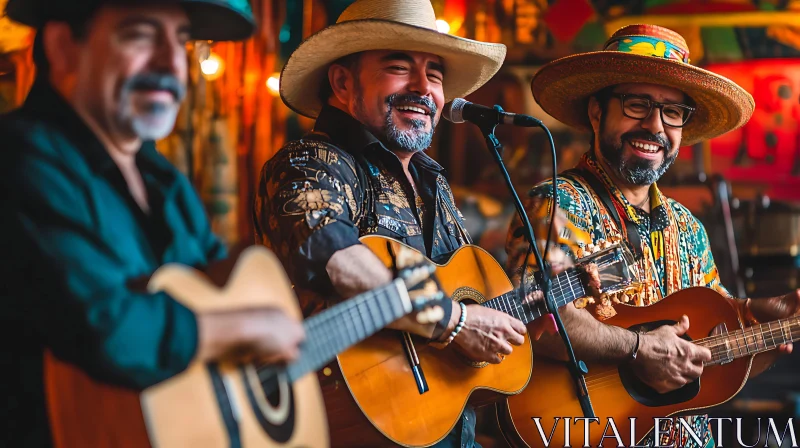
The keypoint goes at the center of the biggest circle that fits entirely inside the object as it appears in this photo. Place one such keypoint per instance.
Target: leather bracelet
(636, 347)
(747, 315)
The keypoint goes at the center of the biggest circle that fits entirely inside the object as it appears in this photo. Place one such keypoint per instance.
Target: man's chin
(153, 128)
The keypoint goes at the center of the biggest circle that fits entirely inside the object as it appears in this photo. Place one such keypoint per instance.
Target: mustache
(410, 98)
(156, 81)
(659, 139)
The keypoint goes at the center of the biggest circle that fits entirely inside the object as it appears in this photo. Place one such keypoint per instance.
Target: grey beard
(152, 121)
(634, 170)
(415, 139)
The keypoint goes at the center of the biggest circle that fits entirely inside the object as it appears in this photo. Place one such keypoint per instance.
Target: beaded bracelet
(459, 326)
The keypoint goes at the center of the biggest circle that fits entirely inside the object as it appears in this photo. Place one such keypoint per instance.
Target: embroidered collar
(659, 219)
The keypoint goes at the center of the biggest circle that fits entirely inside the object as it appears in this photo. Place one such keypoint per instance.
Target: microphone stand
(577, 368)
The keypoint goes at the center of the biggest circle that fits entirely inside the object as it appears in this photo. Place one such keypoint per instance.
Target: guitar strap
(624, 225)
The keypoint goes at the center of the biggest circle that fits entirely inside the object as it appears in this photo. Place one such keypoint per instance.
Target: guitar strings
(329, 337)
(724, 340)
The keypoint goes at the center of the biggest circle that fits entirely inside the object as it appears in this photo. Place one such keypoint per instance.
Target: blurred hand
(768, 310)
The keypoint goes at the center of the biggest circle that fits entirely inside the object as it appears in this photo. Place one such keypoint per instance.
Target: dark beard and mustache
(633, 169)
(412, 140)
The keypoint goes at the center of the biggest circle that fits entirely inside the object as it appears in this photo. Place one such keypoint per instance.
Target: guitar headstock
(613, 264)
(565, 232)
(424, 292)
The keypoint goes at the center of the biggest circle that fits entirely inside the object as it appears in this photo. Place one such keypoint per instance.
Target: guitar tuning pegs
(430, 315)
(414, 276)
(580, 252)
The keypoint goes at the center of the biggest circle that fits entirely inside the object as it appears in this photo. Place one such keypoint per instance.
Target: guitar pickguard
(645, 394)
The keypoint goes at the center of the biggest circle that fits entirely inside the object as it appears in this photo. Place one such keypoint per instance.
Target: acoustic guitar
(394, 389)
(226, 404)
(617, 393)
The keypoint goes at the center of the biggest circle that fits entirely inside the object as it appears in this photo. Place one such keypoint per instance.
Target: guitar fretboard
(334, 330)
(751, 341)
(566, 287)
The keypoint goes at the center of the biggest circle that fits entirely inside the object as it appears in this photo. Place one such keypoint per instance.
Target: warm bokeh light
(274, 83)
(443, 26)
(212, 67)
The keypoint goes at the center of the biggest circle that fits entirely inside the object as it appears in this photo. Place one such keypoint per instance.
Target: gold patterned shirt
(320, 194)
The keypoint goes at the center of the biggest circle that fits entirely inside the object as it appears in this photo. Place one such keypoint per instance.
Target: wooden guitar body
(615, 392)
(378, 375)
(206, 405)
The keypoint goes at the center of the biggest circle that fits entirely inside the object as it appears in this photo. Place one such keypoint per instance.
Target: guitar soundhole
(645, 394)
(273, 392)
(275, 411)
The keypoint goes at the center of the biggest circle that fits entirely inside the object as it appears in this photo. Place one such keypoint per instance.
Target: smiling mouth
(413, 109)
(645, 147)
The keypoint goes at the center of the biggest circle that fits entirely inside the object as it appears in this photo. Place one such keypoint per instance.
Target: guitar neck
(566, 287)
(336, 329)
(751, 341)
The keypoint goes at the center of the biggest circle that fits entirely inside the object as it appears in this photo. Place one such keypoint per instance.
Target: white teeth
(646, 147)
(412, 109)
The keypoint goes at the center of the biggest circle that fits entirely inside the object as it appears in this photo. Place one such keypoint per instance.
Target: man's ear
(341, 80)
(595, 113)
(60, 48)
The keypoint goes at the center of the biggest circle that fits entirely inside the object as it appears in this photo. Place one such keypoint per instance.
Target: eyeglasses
(675, 115)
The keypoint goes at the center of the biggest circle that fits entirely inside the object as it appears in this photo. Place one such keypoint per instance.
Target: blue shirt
(73, 240)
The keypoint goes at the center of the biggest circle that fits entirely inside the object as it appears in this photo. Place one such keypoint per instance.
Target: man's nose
(653, 122)
(170, 58)
(419, 83)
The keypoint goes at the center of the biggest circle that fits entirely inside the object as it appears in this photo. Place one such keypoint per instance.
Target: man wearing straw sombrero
(376, 82)
(642, 100)
(89, 206)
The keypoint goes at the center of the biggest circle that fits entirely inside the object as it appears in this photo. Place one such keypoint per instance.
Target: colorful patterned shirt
(673, 243)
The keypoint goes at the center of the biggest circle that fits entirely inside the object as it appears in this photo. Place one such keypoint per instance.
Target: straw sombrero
(405, 25)
(642, 54)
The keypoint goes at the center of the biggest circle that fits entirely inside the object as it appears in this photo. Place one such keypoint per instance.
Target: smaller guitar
(226, 404)
(617, 393)
(414, 394)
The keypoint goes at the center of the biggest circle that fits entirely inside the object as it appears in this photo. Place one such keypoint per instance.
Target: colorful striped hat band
(648, 46)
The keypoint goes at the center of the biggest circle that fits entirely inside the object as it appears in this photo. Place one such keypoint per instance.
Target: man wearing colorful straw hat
(642, 100)
(376, 82)
(89, 205)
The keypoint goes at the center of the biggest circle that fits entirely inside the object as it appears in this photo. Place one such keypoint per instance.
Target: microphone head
(454, 110)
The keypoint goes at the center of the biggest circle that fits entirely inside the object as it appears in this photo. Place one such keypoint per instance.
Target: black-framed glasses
(675, 115)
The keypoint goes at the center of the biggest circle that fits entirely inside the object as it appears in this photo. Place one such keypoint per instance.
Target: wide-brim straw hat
(642, 54)
(403, 25)
(218, 20)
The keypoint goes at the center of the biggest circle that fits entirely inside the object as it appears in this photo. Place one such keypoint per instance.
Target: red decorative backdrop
(767, 149)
